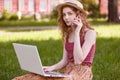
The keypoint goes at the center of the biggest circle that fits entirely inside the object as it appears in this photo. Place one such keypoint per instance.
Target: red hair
(66, 30)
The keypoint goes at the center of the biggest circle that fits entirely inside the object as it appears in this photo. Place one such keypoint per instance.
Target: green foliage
(27, 23)
(87, 3)
(5, 15)
(94, 11)
(27, 18)
(92, 7)
(13, 17)
(45, 17)
(54, 14)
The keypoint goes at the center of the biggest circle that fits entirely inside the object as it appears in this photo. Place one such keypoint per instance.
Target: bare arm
(80, 53)
(60, 64)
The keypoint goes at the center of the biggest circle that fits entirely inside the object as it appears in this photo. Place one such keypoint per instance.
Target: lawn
(26, 23)
(106, 62)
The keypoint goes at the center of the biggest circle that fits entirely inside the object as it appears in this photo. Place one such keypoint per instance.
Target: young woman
(78, 42)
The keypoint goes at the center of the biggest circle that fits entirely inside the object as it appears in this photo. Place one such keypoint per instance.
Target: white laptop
(29, 60)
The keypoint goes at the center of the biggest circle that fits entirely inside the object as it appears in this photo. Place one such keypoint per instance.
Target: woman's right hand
(47, 68)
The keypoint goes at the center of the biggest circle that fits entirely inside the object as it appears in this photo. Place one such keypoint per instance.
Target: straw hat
(73, 3)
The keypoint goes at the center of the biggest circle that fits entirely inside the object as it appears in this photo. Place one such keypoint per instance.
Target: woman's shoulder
(90, 34)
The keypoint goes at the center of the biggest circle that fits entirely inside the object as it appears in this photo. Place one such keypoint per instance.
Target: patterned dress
(77, 72)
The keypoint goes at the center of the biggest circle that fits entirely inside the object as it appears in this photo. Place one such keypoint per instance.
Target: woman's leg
(30, 76)
(79, 72)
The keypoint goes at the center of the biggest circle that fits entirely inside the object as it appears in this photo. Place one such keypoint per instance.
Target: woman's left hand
(78, 24)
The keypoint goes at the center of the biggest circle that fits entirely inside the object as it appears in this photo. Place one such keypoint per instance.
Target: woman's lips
(67, 21)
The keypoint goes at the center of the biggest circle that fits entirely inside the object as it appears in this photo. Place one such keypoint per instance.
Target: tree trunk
(113, 11)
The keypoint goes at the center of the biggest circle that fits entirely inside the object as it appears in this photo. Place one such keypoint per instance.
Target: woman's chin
(68, 24)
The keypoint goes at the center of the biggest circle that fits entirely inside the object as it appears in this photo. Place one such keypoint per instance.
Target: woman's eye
(69, 13)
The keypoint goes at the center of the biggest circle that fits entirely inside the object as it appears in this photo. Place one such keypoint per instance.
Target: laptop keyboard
(54, 73)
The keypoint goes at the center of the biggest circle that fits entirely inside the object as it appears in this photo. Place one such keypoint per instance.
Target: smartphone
(74, 25)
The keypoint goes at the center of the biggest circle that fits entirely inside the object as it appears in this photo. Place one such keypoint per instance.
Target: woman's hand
(77, 24)
(47, 68)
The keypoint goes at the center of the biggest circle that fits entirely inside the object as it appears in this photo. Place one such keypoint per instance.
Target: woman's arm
(80, 53)
(60, 64)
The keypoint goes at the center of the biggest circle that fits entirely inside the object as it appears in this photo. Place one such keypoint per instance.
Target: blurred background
(39, 9)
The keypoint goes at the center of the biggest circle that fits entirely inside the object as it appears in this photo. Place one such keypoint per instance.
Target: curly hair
(66, 30)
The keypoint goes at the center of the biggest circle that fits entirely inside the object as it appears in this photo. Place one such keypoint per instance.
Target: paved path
(29, 28)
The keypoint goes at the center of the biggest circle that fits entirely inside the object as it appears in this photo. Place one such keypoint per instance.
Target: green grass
(106, 62)
(27, 23)
(107, 59)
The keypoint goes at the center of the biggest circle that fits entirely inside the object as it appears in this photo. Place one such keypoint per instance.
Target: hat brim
(60, 6)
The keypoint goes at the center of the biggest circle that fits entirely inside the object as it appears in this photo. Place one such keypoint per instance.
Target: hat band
(71, 3)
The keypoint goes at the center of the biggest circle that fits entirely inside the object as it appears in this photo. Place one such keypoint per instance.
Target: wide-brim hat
(73, 3)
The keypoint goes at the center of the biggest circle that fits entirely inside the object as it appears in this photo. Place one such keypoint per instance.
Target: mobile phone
(74, 25)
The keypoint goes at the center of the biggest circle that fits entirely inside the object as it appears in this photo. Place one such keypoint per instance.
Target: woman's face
(68, 15)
